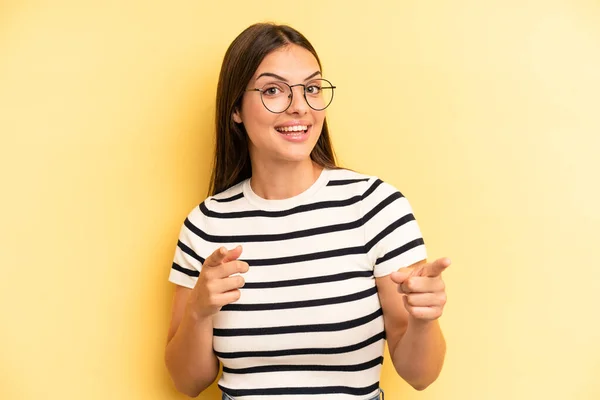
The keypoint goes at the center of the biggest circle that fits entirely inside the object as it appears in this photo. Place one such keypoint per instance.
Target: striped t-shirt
(309, 322)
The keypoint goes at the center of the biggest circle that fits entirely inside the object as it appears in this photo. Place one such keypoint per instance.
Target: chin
(295, 152)
(294, 158)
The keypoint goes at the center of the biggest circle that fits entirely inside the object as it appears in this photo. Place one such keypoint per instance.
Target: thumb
(233, 254)
(399, 277)
(435, 269)
(216, 258)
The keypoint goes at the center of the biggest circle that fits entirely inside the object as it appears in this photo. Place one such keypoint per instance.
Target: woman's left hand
(423, 289)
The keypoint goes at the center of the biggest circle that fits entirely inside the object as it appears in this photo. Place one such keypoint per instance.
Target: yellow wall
(484, 113)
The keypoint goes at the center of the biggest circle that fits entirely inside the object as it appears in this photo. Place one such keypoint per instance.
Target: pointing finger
(421, 284)
(435, 268)
(222, 255)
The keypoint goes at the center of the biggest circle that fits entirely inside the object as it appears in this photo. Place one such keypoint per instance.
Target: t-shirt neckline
(285, 204)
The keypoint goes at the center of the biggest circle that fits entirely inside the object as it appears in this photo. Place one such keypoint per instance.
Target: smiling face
(289, 136)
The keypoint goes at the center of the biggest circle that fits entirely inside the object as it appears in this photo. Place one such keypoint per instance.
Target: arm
(411, 297)
(189, 355)
(415, 340)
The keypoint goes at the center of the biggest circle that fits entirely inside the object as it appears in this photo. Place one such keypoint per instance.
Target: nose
(299, 105)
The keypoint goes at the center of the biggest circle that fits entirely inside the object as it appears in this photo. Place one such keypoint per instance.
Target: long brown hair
(231, 163)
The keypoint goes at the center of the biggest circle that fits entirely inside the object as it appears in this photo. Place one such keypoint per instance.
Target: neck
(277, 181)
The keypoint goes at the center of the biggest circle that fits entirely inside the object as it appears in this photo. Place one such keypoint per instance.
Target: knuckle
(213, 300)
(443, 299)
(229, 269)
(211, 286)
(209, 272)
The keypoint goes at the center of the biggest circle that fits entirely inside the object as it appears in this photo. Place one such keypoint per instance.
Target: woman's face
(291, 135)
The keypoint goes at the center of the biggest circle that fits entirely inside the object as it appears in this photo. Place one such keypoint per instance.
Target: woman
(289, 271)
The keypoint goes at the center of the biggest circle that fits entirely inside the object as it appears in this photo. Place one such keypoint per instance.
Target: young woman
(294, 272)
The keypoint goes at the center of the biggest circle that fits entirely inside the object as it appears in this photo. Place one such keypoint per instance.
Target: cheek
(256, 118)
(319, 118)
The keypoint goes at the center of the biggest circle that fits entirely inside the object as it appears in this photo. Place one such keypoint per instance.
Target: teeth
(295, 128)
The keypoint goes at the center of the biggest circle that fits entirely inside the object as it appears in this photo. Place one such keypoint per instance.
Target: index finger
(222, 255)
(436, 268)
(216, 258)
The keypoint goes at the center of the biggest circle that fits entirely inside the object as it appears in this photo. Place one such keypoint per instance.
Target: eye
(313, 89)
(271, 91)
(274, 89)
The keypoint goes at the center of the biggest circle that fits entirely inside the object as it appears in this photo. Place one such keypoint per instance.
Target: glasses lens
(319, 94)
(276, 96)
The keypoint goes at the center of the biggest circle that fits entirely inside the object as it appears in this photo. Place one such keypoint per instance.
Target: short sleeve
(392, 235)
(186, 262)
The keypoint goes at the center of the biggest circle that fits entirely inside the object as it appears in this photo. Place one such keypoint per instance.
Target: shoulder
(230, 195)
(222, 202)
(357, 183)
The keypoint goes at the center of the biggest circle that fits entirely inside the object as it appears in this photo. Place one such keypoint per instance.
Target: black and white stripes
(309, 321)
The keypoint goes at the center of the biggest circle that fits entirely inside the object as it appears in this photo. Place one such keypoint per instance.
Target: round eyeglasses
(277, 96)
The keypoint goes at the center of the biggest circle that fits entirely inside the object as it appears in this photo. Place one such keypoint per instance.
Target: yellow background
(484, 113)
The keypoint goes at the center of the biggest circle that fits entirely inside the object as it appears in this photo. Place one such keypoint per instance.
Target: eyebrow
(272, 75)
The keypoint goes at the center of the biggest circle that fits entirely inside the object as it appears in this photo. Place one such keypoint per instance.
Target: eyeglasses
(277, 96)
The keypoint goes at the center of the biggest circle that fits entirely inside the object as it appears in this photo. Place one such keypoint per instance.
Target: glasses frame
(291, 96)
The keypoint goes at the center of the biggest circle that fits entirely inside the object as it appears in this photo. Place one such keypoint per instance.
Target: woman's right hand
(216, 287)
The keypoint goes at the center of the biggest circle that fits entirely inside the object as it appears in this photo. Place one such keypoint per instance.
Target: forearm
(419, 355)
(189, 355)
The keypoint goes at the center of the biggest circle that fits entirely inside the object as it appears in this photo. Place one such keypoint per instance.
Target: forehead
(291, 62)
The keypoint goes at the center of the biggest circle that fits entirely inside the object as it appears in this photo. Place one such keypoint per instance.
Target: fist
(216, 287)
(424, 291)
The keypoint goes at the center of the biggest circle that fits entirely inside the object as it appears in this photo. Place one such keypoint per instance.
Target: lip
(295, 137)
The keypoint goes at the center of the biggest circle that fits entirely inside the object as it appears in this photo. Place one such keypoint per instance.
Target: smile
(292, 129)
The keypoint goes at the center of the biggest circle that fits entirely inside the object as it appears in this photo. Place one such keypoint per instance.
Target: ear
(236, 116)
